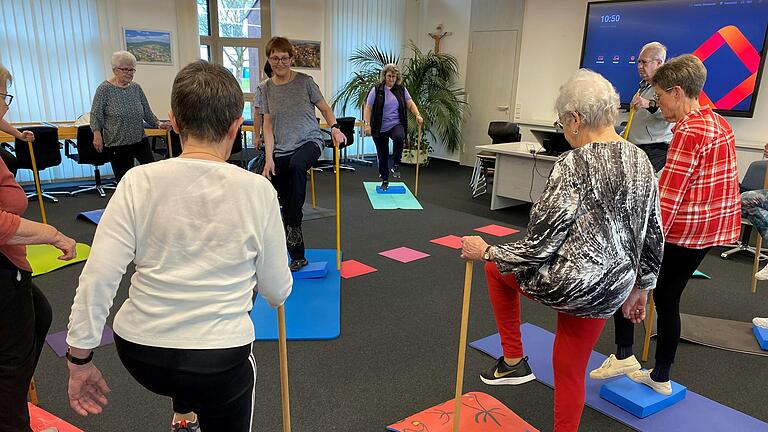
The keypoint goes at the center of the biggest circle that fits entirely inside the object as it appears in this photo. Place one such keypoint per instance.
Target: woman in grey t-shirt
(292, 138)
(118, 113)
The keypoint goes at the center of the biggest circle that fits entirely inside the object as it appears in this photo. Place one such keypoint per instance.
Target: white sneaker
(760, 322)
(644, 377)
(613, 367)
(762, 274)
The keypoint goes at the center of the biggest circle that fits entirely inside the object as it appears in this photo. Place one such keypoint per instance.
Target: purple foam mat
(694, 413)
(58, 341)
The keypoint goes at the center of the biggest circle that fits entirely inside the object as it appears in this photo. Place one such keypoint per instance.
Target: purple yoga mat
(58, 341)
(694, 413)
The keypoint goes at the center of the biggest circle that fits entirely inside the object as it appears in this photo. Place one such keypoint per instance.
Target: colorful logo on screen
(745, 52)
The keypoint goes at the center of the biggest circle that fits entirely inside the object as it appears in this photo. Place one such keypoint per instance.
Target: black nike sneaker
(503, 374)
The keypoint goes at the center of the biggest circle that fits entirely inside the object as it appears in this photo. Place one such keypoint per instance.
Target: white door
(490, 86)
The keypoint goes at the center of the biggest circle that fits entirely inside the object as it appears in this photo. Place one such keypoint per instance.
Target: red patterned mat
(41, 419)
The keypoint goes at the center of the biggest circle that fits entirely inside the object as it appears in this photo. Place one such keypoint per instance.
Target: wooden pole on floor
(462, 344)
(36, 174)
(648, 328)
(338, 205)
(418, 150)
(283, 351)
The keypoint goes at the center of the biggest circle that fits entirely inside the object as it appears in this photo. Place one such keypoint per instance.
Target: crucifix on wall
(438, 35)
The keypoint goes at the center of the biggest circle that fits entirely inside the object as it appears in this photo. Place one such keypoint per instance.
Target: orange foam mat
(480, 412)
(41, 419)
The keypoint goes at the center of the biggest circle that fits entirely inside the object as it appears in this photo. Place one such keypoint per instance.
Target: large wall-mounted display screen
(728, 36)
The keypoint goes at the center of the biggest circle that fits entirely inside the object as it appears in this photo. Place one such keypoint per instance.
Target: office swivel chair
(87, 155)
(347, 127)
(47, 154)
(500, 132)
(753, 180)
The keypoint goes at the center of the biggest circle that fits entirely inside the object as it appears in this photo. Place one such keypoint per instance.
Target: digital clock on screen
(610, 18)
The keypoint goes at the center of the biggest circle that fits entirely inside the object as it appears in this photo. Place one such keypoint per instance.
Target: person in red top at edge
(25, 314)
(700, 208)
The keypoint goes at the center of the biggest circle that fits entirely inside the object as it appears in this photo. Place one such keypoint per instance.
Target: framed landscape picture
(306, 54)
(149, 46)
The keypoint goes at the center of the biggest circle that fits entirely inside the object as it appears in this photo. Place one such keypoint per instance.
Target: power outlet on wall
(518, 110)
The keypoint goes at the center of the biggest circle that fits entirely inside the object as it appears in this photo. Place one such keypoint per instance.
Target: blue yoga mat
(312, 311)
(405, 201)
(93, 215)
(694, 413)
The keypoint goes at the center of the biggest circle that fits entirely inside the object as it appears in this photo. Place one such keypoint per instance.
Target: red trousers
(574, 339)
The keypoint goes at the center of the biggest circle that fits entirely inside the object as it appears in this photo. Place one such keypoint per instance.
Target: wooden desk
(519, 176)
(249, 128)
(69, 131)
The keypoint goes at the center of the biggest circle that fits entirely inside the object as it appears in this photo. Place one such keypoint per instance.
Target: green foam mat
(45, 258)
(379, 201)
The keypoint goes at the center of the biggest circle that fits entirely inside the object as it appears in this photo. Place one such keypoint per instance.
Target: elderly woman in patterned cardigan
(118, 113)
(594, 243)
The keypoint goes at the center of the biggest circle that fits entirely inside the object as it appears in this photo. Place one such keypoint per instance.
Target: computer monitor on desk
(554, 142)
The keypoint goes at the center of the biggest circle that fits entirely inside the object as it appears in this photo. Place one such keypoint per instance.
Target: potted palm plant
(430, 79)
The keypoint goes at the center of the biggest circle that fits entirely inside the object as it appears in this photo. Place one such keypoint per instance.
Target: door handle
(503, 107)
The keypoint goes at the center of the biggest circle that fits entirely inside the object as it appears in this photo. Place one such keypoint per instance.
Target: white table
(520, 175)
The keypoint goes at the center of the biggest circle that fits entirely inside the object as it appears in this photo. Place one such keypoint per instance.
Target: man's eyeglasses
(645, 62)
(283, 60)
(126, 70)
(7, 98)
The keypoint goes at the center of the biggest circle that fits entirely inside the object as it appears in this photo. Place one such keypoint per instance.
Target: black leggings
(677, 267)
(25, 317)
(397, 134)
(121, 157)
(217, 384)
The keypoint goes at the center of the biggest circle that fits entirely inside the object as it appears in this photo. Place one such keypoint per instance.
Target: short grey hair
(390, 67)
(656, 49)
(685, 71)
(592, 96)
(5, 76)
(120, 58)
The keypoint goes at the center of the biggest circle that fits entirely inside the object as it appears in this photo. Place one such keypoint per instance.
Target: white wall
(304, 20)
(177, 16)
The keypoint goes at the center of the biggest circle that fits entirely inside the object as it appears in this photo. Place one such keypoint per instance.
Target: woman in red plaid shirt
(700, 208)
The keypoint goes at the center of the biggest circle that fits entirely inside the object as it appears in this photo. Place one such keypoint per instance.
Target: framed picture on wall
(306, 54)
(149, 46)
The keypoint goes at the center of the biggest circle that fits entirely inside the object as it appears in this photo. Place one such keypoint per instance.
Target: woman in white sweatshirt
(202, 234)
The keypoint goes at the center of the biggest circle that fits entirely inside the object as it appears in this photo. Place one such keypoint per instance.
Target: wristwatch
(78, 361)
(336, 125)
(487, 253)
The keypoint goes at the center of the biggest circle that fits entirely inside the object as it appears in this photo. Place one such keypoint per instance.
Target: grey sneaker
(395, 171)
(185, 426)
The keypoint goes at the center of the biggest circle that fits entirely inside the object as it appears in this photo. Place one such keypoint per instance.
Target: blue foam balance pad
(639, 399)
(392, 190)
(761, 334)
(312, 270)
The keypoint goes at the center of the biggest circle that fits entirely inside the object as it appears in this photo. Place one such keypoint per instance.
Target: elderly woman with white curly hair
(594, 236)
(118, 113)
(386, 118)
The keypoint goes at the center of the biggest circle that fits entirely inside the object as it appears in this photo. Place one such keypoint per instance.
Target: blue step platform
(312, 270)
(761, 335)
(639, 399)
(392, 190)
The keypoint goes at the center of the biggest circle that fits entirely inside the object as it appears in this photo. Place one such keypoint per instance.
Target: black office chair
(347, 127)
(47, 154)
(87, 155)
(500, 132)
(753, 180)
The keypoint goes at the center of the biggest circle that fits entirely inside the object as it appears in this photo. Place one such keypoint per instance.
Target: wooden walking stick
(462, 344)
(37, 182)
(418, 150)
(338, 205)
(648, 328)
(283, 351)
(312, 184)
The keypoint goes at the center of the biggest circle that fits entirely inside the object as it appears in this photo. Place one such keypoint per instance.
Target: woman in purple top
(385, 118)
